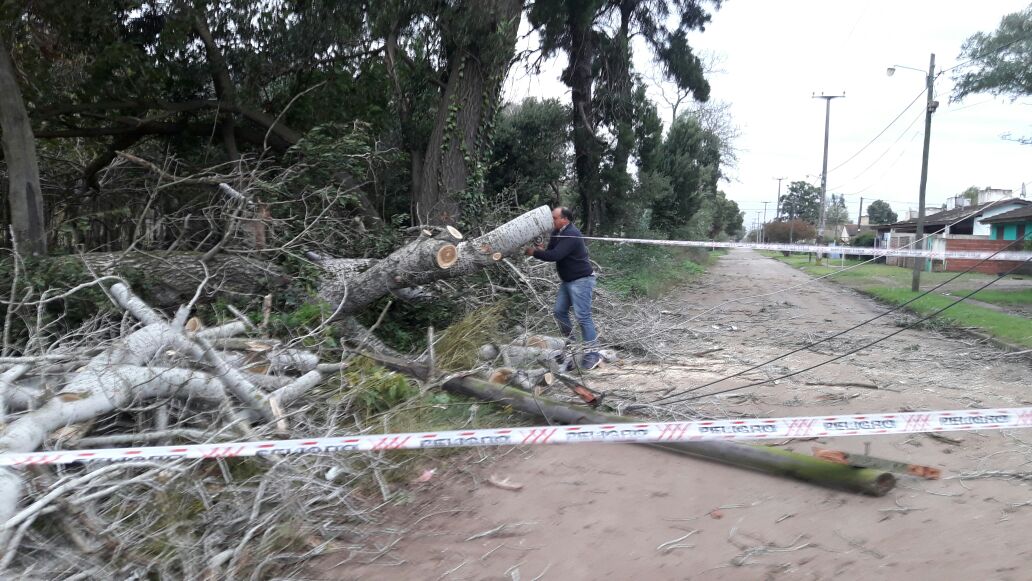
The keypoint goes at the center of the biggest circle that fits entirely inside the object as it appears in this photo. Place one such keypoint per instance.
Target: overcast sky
(777, 54)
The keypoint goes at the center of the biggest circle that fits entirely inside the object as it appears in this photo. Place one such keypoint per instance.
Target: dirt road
(622, 511)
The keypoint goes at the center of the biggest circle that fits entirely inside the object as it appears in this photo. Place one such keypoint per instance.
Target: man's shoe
(591, 360)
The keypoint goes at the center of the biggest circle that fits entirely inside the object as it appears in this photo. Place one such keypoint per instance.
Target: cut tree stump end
(447, 255)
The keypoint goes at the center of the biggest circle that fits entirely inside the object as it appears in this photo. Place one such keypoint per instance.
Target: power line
(810, 281)
(880, 133)
(884, 153)
(854, 327)
(862, 347)
(886, 172)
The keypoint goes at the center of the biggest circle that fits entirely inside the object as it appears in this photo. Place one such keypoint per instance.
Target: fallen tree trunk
(175, 275)
(762, 458)
(428, 259)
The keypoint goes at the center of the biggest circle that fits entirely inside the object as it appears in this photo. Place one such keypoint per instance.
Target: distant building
(962, 218)
(964, 227)
(1013, 225)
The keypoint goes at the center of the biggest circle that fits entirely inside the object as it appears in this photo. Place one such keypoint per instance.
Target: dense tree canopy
(880, 212)
(801, 200)
(392, 109)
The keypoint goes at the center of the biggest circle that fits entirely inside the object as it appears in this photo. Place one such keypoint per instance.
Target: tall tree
(971, 194)
(837, 215)
(479, 40)
(998, 63)
(24, 195)
(579, 28)
(568, 26)
(690, 159)
(880, 212)
(802, 200)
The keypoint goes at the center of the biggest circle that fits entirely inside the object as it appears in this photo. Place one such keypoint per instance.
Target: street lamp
(932, 105)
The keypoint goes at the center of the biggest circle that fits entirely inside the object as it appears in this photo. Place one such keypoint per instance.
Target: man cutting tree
(567, 250)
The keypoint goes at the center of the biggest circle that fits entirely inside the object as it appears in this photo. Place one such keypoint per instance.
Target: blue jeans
(577, 294)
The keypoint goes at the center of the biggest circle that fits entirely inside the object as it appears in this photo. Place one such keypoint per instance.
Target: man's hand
(529, 251)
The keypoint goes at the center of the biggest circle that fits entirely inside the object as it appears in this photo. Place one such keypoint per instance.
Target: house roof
(1019, 215)
(854, 229)
(951, 216)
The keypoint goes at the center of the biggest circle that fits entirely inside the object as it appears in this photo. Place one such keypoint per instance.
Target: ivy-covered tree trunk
(618, 186)
(482, 37)
(19, 146)
(579, 78)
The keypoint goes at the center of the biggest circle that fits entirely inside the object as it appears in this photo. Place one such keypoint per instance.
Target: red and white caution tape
(656, 432)
(857, 250)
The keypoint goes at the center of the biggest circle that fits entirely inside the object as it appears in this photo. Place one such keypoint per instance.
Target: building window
(998, 228)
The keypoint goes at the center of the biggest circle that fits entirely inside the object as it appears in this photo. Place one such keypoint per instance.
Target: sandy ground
(622, 511)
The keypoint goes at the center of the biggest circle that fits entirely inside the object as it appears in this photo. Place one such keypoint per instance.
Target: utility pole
(777, 211)
(915, 284)
(757, 226)
(763, 235)
(860, 212)
(824, 168)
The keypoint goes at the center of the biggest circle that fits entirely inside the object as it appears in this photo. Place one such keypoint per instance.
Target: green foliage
(529, 158)
(863, 239)
(789, 231)
(636, 270)
(376, 390)
(880, 212)
(802, 200)
(46, 277)
(404, 325)
(690, 159)
(997, 63)
(456, 348)
(836, 214)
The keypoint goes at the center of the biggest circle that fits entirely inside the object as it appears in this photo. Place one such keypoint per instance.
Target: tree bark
(762, 458)
(477, 64)
(97, 387)
(177, 274)
(578, 76)
(622, 111)
(19, 147)
(418, 263)
(224, 87)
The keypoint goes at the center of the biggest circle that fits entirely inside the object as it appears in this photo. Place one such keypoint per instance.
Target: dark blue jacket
(568, 252)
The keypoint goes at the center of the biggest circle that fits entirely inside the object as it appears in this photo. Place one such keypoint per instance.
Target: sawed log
(428, 259)
(762, 458)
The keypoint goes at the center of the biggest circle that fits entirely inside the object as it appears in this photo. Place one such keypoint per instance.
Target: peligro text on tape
(756, 429)
(1019, 256)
